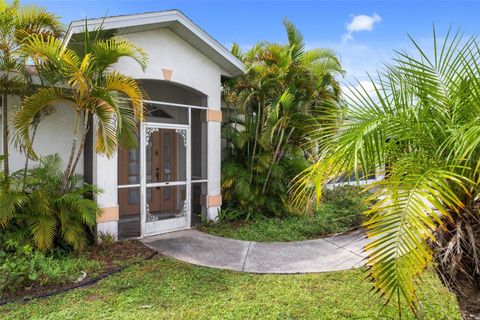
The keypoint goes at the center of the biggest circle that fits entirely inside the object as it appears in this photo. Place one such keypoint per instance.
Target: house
(173, 178)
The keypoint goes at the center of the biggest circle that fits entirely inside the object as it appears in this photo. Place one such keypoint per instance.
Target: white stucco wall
(167, 50)
(105, 177)
(54, 135)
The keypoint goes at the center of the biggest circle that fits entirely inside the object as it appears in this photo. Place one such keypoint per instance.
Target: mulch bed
(113, 258)
(123, 252)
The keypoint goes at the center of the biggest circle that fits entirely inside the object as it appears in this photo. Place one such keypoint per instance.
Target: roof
(176, 21)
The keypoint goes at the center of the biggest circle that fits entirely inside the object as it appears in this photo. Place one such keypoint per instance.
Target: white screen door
(165, 178)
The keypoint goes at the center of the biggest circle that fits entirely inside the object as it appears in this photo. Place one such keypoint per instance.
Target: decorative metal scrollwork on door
(148, 135)
(183, 133)
(150, 217)
(183, 212)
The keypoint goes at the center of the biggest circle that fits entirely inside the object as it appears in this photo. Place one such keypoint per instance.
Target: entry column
(214, 162)
(105, 178)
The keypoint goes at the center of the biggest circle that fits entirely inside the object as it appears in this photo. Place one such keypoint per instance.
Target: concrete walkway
(340, 252)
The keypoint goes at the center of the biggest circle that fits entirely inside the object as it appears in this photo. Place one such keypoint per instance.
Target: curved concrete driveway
(340, 252)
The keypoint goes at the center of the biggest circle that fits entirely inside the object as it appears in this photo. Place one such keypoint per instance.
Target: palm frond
(33, 19)
(417, 126)
(129, 88)
(108, 52)
(412, 203)
(31, 108)
(295, 40)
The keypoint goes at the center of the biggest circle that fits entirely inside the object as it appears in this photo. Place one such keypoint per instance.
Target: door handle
(157, 174)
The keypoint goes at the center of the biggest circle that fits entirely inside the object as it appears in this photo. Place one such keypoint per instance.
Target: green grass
(168, 289)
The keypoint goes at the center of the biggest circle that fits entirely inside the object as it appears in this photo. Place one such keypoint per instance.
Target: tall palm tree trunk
(276, 157)
(76, 129)
(256, 140)
(82, 144)
(27, 158)
(5, 133)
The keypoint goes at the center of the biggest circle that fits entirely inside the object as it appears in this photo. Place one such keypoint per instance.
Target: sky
(363, 33)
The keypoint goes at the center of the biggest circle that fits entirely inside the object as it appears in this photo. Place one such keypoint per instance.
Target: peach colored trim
(167, 74)
(214, 115)
(215, 201)
(108, 214)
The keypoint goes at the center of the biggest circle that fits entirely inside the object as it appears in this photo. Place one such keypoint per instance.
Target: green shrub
(230, 214)
(105, 239)
(344, 205)
(342, 209)
(347, 197)
(38, 209)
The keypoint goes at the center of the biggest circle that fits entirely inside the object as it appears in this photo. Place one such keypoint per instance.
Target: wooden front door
(162, 167)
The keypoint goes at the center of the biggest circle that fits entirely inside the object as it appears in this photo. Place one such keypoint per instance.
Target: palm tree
(47, 213)
(18, 23)
(423, 120)
(85, 80)
(286, 89)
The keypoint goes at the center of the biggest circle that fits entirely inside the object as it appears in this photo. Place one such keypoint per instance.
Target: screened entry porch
(162, 185)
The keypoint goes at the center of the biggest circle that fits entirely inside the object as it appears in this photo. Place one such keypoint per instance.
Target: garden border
(79, 285)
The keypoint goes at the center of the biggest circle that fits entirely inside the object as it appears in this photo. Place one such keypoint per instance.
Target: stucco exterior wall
(54, 135)
(168, 51)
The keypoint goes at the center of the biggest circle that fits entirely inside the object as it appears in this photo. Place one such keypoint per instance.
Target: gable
(167, 51)
(178, 23)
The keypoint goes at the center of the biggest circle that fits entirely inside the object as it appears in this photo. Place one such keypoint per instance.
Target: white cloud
(359, 23)
(347, 37)
(363, 22)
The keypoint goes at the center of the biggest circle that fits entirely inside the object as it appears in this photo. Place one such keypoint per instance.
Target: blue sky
(364, 33)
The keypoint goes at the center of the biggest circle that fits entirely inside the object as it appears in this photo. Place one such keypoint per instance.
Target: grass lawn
(167, 289)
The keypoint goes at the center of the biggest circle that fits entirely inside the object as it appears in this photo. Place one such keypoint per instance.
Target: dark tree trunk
(457, 253)
(469, 298)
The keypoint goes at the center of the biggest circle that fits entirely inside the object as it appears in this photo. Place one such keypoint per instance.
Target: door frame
(173, 224)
